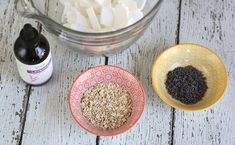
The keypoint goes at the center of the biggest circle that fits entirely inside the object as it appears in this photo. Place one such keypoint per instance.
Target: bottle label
(36, 74)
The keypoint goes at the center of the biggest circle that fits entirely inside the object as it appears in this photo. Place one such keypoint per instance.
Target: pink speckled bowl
(106, 74)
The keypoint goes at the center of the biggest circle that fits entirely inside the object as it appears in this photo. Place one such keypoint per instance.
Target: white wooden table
(40, 115)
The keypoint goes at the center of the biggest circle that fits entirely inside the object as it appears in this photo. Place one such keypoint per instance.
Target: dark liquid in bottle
(31, 47)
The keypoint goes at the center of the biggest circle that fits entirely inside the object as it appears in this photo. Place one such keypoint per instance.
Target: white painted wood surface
(47, 99)
(48, 120)
(212, 24)
(154, 128)
(13, 92)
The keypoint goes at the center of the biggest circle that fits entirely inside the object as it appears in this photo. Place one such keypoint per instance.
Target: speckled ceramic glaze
(106, 74)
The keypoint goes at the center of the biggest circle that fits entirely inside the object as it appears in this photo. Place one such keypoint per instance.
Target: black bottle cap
(29, 33)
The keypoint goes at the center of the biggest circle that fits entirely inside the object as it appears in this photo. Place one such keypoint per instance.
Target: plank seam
(39, 27)
(46, 7)
(97, 140)
(26, 99)
(25, 109)
(106, 60)
(172, 126)
(178, 24)
(177, 41)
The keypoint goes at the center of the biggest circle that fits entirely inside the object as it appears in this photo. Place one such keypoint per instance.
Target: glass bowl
(49, 13)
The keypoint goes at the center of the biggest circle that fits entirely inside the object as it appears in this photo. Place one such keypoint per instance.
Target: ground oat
(106, 105)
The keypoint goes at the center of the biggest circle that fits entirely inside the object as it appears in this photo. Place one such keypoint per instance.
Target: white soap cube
(84, 29)
(106, 17)
(101, 15)
(74, 27)
(74, 16)
(93, 19)
(78, 28)
(131, 4)
(134, 17)
(70, 15)
(121, 15)
(107, 3)
(85, 3)
(114, 2)
(100, 2)
(141, 4)
(107, 29)
(82, 10)
(81, 20)
(88, 4)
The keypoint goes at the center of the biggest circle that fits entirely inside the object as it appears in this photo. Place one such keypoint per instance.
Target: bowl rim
(108, 134)
(156, 88)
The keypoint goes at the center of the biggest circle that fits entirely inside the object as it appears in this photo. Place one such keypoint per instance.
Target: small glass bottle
(33, 56)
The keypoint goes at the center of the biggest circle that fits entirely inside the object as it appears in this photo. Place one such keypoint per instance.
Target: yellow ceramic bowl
(200, 57)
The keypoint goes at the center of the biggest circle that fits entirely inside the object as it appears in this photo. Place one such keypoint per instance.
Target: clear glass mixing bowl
(49, 13)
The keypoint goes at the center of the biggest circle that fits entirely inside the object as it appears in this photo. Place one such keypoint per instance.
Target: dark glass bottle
(33, 56)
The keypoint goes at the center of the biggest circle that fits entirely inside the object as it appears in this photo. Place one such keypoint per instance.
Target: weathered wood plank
(154, 128)
(48, 119)
(210, 23)
(13, 91)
